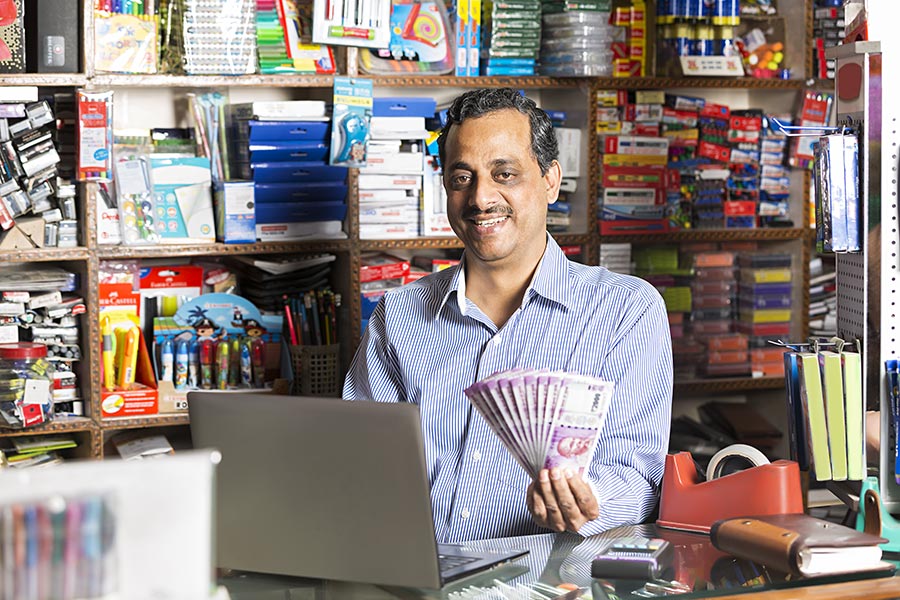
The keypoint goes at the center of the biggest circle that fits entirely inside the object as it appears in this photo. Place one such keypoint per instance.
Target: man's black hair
(477, 103)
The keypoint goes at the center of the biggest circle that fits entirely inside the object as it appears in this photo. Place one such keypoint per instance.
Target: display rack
(861, 93)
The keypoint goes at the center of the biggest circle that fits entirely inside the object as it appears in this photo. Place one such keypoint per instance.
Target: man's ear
(552, 179)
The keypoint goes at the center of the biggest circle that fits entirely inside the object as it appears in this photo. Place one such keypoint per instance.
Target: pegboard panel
(851, 295)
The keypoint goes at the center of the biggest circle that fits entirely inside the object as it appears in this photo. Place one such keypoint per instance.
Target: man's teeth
(490, 222)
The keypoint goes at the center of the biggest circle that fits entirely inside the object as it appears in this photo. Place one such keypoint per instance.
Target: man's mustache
(471, 213)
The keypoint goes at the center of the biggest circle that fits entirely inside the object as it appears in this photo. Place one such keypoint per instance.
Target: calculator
(633, 558)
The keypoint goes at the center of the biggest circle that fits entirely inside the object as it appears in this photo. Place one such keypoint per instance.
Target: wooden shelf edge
(147, 421)
(44, 255)
(454, 242)
(710, 235)
(162, 251)
(730, 384)
(638, 83)
(57, 425)
(210, 81)
(45, 79)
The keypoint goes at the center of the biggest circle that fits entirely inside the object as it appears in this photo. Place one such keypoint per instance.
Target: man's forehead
(505, 125)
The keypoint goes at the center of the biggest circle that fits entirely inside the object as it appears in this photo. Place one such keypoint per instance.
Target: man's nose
(484, 194)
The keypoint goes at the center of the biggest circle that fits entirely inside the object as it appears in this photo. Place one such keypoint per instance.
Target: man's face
(496, 196)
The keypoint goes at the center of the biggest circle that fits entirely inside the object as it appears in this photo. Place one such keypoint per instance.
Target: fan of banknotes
(545, 418)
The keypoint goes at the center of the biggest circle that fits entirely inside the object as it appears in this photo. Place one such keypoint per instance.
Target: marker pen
(129, 358)
(193, 380)
(257, 352)
(167, 357)
(109, 354)
(206, 364)
(222, 363)
(246, 364)
(181, 365)
(234, 356)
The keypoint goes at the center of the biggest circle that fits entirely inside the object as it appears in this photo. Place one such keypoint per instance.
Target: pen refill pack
(350, 121)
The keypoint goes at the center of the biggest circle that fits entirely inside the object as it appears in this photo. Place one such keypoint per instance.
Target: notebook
(325, 488)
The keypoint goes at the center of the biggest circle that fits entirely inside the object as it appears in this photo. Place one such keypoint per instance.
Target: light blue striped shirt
(426, 343)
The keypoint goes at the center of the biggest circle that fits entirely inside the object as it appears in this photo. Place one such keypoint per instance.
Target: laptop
(326, 488)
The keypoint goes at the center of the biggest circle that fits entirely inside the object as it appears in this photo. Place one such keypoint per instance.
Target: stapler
(873, 518)
(691, 504)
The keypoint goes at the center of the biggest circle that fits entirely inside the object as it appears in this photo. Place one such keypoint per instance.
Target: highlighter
(222, 363)
(129, 358)
(246, 364)
(167, 360)
(181, 365)
(193, 381)
(234, 369)
(109, 354)
(257, 353)
(206, 364)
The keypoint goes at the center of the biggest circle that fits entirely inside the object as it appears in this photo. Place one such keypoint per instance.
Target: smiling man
(515, 300)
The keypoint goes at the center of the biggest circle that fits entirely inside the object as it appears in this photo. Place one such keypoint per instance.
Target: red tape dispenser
(690, 504)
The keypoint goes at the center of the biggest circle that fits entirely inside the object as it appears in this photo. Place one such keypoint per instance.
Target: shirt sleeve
(374, 373)
(630, 457)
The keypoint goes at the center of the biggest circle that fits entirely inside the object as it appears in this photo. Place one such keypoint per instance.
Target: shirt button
(476, 455)
(498, 339)
(464, 514)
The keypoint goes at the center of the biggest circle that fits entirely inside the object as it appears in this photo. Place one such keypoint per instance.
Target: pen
(893, 381)
(109, 354)
(206, 364)
(129, 358)
(193, 360)
(167, 357)
(257, 352)
(234, 362)
(222, 362)
(290, 321)
(246, 364)
(181, 365)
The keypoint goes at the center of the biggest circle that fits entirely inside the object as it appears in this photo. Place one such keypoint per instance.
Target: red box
(633, 226)
(739, 208)
(139, 400)
(715, 111)
(379, 266)
(714, 151)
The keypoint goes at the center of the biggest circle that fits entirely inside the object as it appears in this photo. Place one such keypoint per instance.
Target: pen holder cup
(316, 370)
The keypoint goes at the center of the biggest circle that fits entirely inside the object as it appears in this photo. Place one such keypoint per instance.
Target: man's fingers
(584, 496)
(555, 519)
(569, 508)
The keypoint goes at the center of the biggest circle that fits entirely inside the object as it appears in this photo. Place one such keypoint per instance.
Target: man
(516, 301)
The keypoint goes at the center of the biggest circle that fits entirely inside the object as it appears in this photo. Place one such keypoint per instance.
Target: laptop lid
(319, 487)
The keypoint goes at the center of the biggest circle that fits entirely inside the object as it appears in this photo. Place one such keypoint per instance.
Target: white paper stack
(545, 418)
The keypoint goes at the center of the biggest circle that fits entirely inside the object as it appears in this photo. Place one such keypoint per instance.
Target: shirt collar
(549, 280)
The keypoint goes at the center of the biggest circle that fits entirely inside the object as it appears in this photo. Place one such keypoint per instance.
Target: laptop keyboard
(447, 562)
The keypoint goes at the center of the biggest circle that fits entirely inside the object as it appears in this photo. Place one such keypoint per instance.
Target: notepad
(833, 392)
(854, 411)
(814, 410)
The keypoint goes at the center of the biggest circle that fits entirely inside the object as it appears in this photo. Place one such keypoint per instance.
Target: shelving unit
(574, 95)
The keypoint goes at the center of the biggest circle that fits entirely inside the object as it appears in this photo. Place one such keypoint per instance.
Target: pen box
(292, 212)
(288, 131)
(404, 107)
(296, 172)
(299, 192)
(285, 151)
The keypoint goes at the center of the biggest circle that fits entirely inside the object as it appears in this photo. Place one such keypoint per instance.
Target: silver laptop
(325, 488)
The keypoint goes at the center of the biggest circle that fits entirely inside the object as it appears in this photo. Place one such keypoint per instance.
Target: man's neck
(498, 290)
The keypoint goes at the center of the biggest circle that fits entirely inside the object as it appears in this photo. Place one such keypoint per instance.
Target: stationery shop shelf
(59, 424)
(163, 251)
(690, 387)
(45, 79)
(170, 81)
(148, 421)
(413, 80)
(711, 235)
(43, 255)
(565, 239)
(640, 83)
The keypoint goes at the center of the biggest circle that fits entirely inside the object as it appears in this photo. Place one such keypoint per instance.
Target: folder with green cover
(833, 391)
(814, 409)
(856, 449)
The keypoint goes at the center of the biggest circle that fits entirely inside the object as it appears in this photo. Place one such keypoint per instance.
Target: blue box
(404, 107)
(289, 131)
(301, 192)
(299, 212)
(285, 151)
(235, 212)
(297, 172)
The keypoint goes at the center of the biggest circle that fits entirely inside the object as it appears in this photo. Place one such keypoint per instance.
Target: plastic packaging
(421, 41)
(26, 385)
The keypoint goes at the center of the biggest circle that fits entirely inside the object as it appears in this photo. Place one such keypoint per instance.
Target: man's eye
(459, 180)
(504, 175)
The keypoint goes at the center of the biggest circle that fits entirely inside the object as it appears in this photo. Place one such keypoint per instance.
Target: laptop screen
(319, 487)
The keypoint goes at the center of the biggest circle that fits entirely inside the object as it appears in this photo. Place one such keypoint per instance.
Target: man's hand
(561, 501)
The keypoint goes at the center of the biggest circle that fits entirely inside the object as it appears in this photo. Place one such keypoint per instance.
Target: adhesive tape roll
(733, 458)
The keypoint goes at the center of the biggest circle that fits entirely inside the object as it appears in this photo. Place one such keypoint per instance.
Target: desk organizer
(316, 370)
(871, 506)
(690, 504)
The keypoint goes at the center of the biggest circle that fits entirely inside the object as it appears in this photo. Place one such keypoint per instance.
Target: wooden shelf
(454, 242)
(141, 422)
(641, 83)
(536, 81)
(212, 81)
(44, 255)
(710, 235)
(163, 251)
(725, 384)
(45, 79)
(57, 425)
